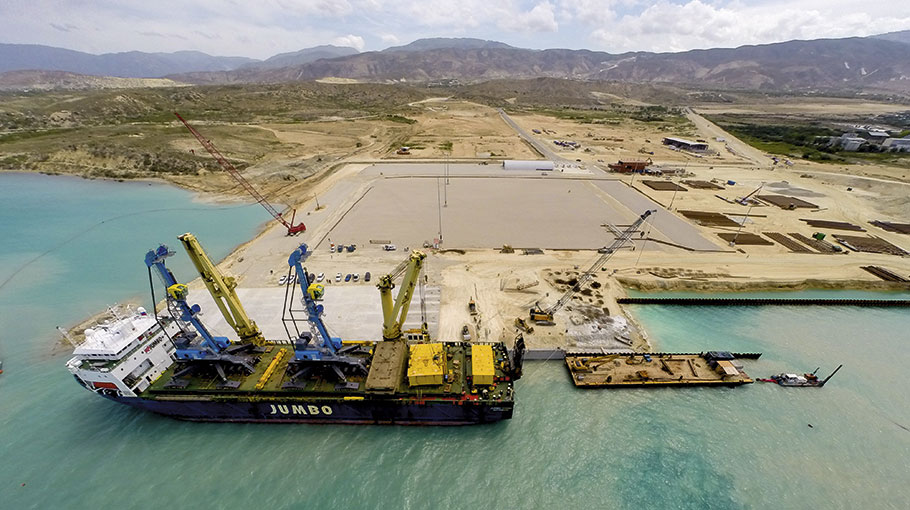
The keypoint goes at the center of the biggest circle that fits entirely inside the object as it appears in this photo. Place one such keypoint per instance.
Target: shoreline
(722, 286)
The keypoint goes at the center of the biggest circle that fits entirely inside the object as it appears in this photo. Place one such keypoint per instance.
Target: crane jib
(233, 172)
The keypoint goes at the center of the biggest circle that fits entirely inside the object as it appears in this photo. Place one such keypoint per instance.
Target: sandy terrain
(820, 106)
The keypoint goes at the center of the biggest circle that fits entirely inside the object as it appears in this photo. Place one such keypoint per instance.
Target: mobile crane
(545, 317)
(195, 346)
(222, 290)
(395, 312)
(233, 172)
(316, 350)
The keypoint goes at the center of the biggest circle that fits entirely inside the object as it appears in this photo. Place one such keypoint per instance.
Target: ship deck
(208, 383)
(634, 370)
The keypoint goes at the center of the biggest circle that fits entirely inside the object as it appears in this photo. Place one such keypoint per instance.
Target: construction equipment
(222, 290)
(229, 168)
(316, 291)
(316, 350)
(545, 317)
(195, 345)
(527, 285)
(522, 325)
(395, 312)
(591, 364)
(745, 200)
(472, 307)
(507, 248)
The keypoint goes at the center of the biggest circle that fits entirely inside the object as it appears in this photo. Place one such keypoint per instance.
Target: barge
(634, 370)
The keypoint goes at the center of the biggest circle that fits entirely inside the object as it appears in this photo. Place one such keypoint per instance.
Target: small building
(848, 141)
(689, 145)
(897, 144)
(512, 164)
(628, 167)
(874, 136)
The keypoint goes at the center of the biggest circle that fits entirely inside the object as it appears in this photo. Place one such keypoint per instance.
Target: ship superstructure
(123, 356)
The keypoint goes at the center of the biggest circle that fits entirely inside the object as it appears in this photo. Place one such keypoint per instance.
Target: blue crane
(325, 345)
(318, 350)
(217, 351)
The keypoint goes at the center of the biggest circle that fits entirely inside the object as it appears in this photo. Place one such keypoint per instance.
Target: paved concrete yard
(483, 213)
(352, 311)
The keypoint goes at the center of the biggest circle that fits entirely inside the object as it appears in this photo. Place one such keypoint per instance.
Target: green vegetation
(134, 133)
(399, 119)
(654, 114)
(662, 117)
(801, 139)
(445, 146)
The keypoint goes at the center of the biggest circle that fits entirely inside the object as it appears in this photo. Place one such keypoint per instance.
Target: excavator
(394, 312)
(544, 317)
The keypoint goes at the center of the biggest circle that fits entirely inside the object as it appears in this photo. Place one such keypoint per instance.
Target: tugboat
(805, 380)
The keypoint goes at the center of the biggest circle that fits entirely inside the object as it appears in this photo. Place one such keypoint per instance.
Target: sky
(262, 28)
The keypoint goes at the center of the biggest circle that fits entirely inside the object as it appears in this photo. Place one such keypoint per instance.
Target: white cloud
(541, 18)
(265, 27)
(353, 41)
(669, 26)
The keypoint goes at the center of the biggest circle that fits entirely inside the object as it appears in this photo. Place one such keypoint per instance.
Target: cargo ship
(169, 363)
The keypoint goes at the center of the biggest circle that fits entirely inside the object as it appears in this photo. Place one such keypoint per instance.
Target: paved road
(742, 149)
(537, 144)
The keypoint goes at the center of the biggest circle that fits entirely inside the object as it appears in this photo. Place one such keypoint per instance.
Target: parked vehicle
(320, 277)
(356, 277)
(347, 277)
(337, 277)
(366, 277)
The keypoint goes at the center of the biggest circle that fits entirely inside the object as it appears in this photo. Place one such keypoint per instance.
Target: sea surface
(757, 446)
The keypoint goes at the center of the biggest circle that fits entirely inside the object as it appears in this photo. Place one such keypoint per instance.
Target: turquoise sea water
(746, 447)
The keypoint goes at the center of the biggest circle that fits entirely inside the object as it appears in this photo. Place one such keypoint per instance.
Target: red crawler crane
(229, 168)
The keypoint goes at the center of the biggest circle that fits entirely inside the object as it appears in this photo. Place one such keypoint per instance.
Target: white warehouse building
(512, 164)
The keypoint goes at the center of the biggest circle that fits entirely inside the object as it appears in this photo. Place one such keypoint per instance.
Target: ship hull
(352, 412)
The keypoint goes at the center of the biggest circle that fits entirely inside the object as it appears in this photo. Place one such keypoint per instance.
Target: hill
(131, 64)
(303, 56)
(902, 36)
(53, 80)
(828, 64)
(438, 43)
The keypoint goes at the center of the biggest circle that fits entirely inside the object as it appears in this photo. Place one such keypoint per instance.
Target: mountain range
(858, 63)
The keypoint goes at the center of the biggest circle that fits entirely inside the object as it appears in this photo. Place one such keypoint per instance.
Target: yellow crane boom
(395, 312)
(222, 290)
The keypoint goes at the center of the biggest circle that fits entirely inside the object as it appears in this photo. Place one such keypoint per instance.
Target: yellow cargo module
(426, 364)
(482, 367)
